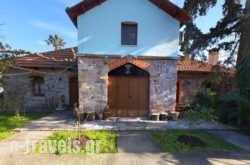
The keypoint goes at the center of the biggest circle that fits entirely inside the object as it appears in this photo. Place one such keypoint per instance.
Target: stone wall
(190, 84)
(92, 88)
(56, 84)
(93, 81)
(193, 82)
(163, 87)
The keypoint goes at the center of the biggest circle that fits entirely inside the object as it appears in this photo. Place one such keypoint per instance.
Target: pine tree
(196, 42)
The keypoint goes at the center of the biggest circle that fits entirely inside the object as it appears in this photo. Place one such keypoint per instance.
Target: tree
(235, 22)
(17, 90)
(196, 42)
(15, 94)
(243, 65)
(244, 46)
(7, 61)
(56, 41)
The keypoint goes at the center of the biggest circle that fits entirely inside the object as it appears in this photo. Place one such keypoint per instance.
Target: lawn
(62, 142)
(169, 141)
(8, 122)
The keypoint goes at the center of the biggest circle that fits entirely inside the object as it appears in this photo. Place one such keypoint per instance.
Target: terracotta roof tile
(56, 59)
(64, 57)
(193, 65)
(187, 65)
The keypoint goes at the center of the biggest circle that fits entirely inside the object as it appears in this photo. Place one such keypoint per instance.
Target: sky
(27, 23)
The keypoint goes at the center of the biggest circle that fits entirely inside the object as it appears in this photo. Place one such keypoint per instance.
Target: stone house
(46, 80)
(127, 55)
(195, 76)
(52, 76)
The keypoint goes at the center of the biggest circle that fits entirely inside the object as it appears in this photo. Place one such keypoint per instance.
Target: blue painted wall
(99, 30)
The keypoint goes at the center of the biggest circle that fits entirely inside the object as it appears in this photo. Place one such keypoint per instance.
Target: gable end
(165, 5)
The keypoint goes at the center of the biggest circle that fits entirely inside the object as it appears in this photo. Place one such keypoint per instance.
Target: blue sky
(27, 23)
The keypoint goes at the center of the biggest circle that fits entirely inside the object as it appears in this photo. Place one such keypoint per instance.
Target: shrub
(206, 99)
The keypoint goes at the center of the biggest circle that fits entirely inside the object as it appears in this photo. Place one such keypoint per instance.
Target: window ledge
(128, 45)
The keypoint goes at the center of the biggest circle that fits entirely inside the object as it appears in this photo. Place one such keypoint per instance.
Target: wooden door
(128, 96)
(178, 90)
(128, 91)
(73, 91)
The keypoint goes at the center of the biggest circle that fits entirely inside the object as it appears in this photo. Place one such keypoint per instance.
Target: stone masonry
(56, 84)
(93, 80)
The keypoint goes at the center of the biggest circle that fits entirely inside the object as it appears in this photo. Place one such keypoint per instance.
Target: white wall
(99, 30)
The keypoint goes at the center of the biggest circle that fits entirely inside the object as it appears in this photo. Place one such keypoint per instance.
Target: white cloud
(40, 42)
(54, 28)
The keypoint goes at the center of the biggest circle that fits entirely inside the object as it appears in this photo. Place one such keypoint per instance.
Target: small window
(38, 86)
(129, 33)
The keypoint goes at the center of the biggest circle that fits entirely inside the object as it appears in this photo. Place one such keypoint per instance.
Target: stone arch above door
(128, 59)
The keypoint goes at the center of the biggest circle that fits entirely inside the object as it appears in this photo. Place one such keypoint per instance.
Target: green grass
(103, 142)
(167, 141)
(8, 122)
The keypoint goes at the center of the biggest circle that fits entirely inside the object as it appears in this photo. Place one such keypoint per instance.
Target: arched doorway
(128, 91)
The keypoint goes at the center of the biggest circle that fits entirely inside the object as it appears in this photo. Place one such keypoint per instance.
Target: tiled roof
(188, 65)
(164, 5)
(193, 65)
(65, 57)
(52, 59)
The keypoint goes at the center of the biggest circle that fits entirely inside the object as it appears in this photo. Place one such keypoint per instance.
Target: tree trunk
(56, 47)
(244, 46)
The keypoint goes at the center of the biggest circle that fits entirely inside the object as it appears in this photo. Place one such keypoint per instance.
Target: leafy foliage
(202, 108)
(56, 41)
(233, 107)
(231, 34)
(242, 76)
(15, 94)
(7, 55)
(198, 7)
(7, 61)
(225, 35)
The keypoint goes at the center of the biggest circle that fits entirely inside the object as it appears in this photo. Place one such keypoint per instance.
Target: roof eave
(173, 10)
(165, 5)
(81, 8)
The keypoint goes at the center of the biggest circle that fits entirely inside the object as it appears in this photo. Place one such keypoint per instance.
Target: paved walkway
(233, 137)
(136, 142)
(135, 147)
(63, 120)
(218, 158)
